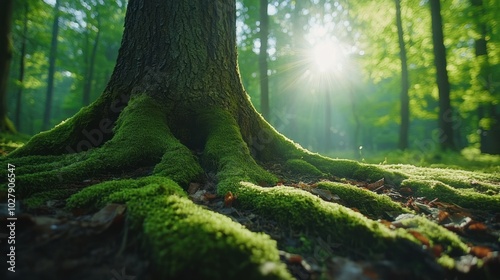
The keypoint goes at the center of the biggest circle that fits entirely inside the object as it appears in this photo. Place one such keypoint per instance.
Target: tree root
(182, 234)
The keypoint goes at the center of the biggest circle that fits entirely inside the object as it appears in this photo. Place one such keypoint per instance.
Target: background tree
(6, 57)
(405, 102)
(264, 81)
(445, 119)
(52, 68)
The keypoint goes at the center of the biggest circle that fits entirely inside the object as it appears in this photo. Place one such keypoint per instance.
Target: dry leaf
(108, 215)
(375, 185)
(229, 198)
(480, 251)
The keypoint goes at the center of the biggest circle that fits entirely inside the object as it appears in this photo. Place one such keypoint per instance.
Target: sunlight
(326, 57)
(327, 54)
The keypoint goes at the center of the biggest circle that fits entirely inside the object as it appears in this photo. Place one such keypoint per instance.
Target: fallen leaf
(420, 237)
(108, 215)
(324, 194)
(437, 250)
(193, 188)
(405, 191)
(480, 251)
(229, 198)
(210, 196)
(375, 185)
(294, 259)
(477, 226)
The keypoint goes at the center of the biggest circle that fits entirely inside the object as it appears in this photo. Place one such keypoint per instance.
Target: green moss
(94, 197)
(303, 210)
(140, 139)
(369, 203)
(189, 242)
(12, 141)
(437, 235)
(67, 134)
(482, 182)
(226, 151)
(40, 199)
(468, 198)
(179, 164)
(302, 167)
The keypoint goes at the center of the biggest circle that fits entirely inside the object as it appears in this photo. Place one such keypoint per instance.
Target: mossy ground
(186, 240)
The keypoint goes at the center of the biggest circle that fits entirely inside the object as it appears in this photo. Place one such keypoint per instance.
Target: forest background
(334, 76)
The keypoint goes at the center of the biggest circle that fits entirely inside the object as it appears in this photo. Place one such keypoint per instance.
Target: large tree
(175, 93)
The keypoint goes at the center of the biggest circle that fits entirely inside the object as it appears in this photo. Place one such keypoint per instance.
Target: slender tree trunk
(445, 111)
(264, 80)
(5, 58)
(489, 136)
(22, 59)
(89, 77)
(404, 98)
(52, 67)
(328, 122)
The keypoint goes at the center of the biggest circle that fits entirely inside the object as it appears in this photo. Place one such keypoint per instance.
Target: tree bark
(52, 68)
(264, 80)
(6, 57)
(445, 118)
(404, 98)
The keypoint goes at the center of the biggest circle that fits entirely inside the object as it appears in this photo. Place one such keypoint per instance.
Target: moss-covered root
(370, 204)
(342, 225)
(67, 135)
(193, 243)
(465, 197)
(141, 138)
(187, 241)
(226, 152)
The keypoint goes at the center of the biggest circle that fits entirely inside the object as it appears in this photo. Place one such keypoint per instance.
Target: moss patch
(468, 198)
(437, 235)
(369, 203)
(226, 151)
(303, 210)
(94, 197)
(302, 167)
(184, 235)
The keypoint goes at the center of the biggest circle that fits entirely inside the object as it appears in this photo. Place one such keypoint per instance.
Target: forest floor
(53, 243)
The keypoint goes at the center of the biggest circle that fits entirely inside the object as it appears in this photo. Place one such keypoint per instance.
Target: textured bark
(404, 98)
(52, 68)
(5, 58)
(264, 80)
(445, 111)
(184, 55)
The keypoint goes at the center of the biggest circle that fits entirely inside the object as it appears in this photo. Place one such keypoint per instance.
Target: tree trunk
(489, 136)
(22, 59)
(6, 56)
(264, 80)
(404, 98)
(446, 137)
(52, 68)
